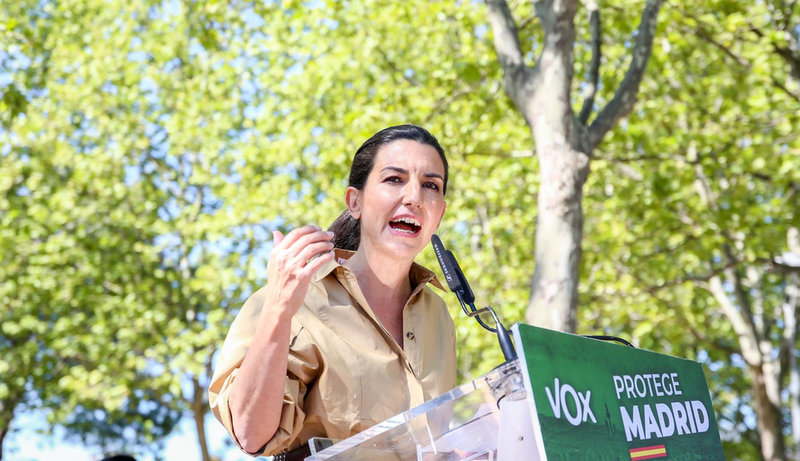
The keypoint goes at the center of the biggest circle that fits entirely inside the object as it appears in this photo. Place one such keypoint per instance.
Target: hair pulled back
(346, 229)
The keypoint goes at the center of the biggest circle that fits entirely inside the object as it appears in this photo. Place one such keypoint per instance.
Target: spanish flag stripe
(656, 451)
(660, 455)
(654, 447)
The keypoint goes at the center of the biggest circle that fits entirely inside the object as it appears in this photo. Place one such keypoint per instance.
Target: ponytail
(346, 232)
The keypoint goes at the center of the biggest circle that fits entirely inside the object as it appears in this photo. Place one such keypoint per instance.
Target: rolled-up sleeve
(301, 370)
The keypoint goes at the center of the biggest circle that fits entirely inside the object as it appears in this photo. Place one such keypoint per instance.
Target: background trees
(148, 149)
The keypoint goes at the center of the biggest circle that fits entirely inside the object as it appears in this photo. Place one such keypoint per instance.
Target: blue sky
(27, 444)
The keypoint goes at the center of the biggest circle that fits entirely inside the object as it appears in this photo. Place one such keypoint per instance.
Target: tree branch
(506, 40)
(626, 94)
(509, 52)
(715, 272)
(396, 70)
(706, 37)
(789, 56)
(528, 21)
(793, 60)
(783, 88)
(790, 309)
(594, 65)
(652, 292)
(747, 339)
(442, 104)
(735, 279)
(778, 266)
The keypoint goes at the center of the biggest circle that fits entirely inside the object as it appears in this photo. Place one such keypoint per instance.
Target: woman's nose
(412, 194)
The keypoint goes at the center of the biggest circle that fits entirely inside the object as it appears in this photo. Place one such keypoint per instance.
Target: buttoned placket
(414, 381)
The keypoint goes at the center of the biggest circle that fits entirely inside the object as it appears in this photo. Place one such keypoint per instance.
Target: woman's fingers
(296, 234)
(309, 239)
(317, 263)
(312, 250)
(277, 237)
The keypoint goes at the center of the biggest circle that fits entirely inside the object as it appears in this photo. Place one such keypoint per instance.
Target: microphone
(449, 271)
(467, 296)
(458, 284)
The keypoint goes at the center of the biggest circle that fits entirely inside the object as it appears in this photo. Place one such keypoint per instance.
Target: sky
(28, 444)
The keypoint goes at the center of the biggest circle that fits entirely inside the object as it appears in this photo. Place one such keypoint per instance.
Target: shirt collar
(418, 275)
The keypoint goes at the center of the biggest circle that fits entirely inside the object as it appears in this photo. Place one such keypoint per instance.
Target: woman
(340, 340)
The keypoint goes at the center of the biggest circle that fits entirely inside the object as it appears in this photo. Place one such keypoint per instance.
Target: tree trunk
(770, 424)
(563, 170)
(559, 229)
(199, 409)
(3, 432)
(563, 142)
(790, 308)
(6, 416)
(794, 388)
(765, 369)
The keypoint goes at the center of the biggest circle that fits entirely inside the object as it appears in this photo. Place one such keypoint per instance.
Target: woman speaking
(346, 333)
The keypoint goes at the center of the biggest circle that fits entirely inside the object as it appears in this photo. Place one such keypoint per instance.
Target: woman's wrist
(279, 311)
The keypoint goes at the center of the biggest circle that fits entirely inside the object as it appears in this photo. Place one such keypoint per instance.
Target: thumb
(277, 237)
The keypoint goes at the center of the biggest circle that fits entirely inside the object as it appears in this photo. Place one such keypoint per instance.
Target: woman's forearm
(257, 393)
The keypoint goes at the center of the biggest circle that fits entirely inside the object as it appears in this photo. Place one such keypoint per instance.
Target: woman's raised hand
(256, 397)
(290, 269)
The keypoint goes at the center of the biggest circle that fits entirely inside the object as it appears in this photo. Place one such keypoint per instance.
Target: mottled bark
(564, 142)
(770, 425)
(765, 369)
(199, 410)
(5, 427)
(7, 408)
(554, 286)
(790, 308)
(3, 432)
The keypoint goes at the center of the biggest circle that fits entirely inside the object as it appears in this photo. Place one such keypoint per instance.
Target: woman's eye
(432, 185)
(392, 179)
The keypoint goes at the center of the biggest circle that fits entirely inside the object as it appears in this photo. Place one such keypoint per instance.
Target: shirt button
(410, 335)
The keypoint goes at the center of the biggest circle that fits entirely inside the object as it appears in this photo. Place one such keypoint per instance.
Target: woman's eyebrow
(403, 171)
(395, 168)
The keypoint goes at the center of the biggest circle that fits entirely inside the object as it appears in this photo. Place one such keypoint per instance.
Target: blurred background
(148, 148)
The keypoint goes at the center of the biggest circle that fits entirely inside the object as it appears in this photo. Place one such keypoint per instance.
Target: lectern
(463, 424)
(567, 398)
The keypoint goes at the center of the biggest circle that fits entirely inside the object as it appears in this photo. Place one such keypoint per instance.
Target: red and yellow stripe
(656, 451)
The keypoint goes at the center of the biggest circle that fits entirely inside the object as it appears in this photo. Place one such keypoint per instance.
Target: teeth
(408, 221)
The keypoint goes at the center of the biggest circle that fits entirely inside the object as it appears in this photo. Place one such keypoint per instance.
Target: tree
(696, 216)
(118, 277)
(564, 141)
(147, 155)
(77, 290)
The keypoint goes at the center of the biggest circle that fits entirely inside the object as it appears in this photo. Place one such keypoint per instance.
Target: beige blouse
(345, 373)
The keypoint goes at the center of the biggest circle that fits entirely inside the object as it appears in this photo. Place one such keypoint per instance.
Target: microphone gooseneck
(458, 284)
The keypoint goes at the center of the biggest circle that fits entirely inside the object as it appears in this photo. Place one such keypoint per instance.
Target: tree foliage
(149, 148)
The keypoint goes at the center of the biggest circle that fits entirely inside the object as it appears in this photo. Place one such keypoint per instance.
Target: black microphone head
(450, 274)
(467, 296)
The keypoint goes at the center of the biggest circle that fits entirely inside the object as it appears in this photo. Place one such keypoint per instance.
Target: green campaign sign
(594, 400)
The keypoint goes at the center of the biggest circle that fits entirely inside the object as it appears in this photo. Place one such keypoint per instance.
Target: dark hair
(347, 229)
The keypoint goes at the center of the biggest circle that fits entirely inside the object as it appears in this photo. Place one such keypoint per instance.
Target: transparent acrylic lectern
(463, 424)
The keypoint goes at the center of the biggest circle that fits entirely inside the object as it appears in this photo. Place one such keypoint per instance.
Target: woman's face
(402, 203)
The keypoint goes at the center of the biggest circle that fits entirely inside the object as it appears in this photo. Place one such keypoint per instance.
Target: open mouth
(406, 225)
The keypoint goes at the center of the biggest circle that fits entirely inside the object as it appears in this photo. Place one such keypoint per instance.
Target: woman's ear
(352, 197)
